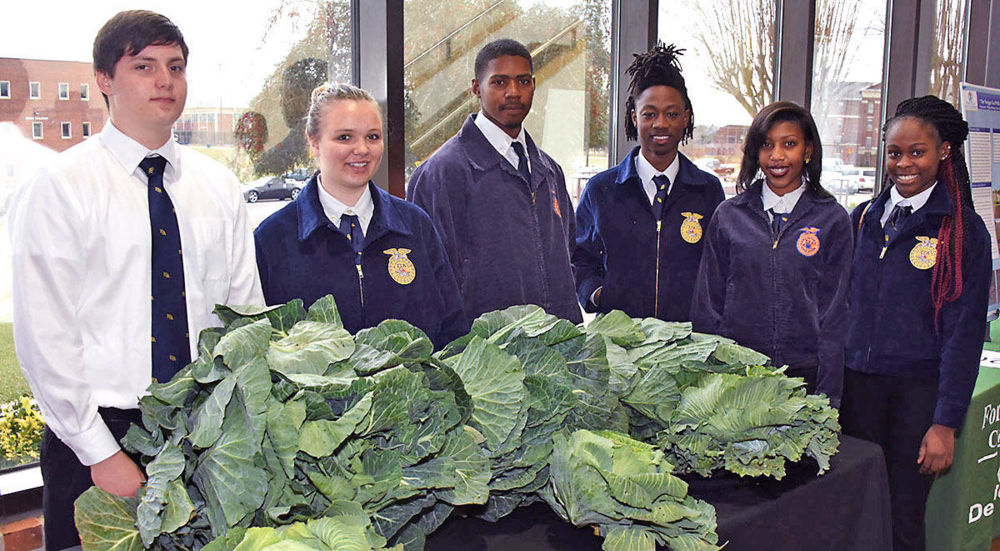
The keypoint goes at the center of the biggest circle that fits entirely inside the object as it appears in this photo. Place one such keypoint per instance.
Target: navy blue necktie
(350, 226)
(522, 161)
(662, 186)
(778, 220)
(896, 217)
(170, 343)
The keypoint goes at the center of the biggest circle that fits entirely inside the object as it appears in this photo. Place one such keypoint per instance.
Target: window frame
(34, 84)
(66, 130)
(40, 135)
(84, 92)
(4, 83)
(63, 87)
(85, 129)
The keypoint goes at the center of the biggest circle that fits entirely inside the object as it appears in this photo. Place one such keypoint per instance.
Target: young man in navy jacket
(639, 225)
(498, 201)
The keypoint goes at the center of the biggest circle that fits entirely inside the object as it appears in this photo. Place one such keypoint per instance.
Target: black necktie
(778, 220)
(522, 161)
(895, 221)
(662, 184)
(170, 343)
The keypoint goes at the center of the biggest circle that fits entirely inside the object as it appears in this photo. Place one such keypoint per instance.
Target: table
(847, 508)
(962, 508)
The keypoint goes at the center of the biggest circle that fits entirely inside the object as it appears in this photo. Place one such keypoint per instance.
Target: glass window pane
(570, 42)
(728, 69)
(949, 42)
(847, 93)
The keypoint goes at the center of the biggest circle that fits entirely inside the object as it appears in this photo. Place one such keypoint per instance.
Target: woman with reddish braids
(917, 307)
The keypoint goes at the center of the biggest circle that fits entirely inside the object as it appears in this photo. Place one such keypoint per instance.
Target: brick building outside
(55, 103)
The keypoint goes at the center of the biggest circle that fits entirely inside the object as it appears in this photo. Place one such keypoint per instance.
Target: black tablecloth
(845, 509)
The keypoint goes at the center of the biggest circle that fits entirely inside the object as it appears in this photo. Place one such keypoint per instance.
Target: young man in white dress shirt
(88, 232)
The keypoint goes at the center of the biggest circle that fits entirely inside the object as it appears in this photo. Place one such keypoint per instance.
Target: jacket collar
(483, 156)
(385, 219)
(688, 174)
(751, 199)
(938, 204)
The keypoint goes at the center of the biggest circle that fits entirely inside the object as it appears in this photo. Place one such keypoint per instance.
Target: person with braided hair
(918, 301)
(777, 261)
(639, 224)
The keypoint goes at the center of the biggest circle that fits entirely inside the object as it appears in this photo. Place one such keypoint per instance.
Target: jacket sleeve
(48, 267)
(709, 299)
(963, 326)
(588, 252)
(428, 191)
(261, 249)
(832, 308)
(454, 322)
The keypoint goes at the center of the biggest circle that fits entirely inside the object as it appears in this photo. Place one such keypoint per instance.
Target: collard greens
(287, 432)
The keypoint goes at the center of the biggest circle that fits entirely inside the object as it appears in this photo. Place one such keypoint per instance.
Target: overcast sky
(230, 59)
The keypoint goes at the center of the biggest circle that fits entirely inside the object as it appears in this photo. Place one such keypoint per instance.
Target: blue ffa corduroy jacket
(786, 299)
(891, 329)
(301, 254)
(617, 237)
(508, 240)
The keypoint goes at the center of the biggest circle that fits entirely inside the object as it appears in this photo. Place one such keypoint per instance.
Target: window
(868, 141)
(726, 89)
(847, 73)
(85, 130)
(64, 90)
(35, 90)
(4, 89)
(949, 42)
(85, 92)
(570, 42)
(36, 130)
(67, 130)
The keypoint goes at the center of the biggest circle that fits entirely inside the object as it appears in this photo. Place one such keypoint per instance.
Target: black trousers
(895, 413)
(64, 478)
(810, 373)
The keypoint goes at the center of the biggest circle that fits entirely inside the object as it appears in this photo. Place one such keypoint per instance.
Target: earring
(808, 158)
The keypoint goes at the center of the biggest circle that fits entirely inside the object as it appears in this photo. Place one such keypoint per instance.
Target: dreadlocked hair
(657, 67)
(947, 122)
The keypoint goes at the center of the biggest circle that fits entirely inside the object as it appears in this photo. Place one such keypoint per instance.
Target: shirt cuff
(594, 295)
(93, 445)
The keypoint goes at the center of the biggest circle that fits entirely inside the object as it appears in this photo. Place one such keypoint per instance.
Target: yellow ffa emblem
(691, 227)
(808, 243)
(924, 253)
(401, 270)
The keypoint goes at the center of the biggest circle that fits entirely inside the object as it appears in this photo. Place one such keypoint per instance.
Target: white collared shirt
(333, 208)
(80, 242)
(647, 172)
(915, 202)
(780, 204)
(501, 141)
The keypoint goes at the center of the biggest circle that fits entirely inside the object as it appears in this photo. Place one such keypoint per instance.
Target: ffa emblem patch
(808, 243)
(924, 253)
(401, 270)
(691, 227)
(555, 204)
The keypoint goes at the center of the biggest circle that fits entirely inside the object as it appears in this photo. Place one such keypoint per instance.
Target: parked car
(272, 187)
(301, 175)
(866, 180)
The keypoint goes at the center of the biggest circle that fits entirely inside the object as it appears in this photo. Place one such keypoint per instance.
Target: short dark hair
(657, 67)
(500, 48)
(782, 111)
(128, 33)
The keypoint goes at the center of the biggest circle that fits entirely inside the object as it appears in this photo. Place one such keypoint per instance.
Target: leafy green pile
(283, 417)
(711, 404)
(626, 488)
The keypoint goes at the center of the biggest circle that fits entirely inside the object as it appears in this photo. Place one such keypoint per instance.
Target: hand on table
(937, 450)
(118, 475)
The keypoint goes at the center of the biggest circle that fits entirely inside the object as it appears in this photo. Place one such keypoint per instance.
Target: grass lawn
(12, 383)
